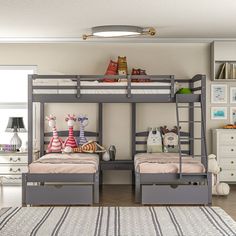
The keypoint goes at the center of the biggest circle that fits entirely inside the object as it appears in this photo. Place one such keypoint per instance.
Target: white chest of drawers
(224, 147)
(12, 165)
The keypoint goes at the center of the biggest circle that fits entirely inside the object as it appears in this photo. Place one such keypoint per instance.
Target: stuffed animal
(154, 141)
(70, 141)
(90, 147)
(139, 72)
(111, 70)
(170, 139)
(122, 66)
(56, 143)
(217, 188)
(83, 122)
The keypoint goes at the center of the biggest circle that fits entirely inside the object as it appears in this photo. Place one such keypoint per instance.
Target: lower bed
(62, 179)
(166, 163)
(65, 163)
(157, 180)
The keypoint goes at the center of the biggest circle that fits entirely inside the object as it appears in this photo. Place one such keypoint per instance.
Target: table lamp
(16, 124)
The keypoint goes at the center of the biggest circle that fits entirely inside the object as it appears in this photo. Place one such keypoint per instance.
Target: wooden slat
(76, 133)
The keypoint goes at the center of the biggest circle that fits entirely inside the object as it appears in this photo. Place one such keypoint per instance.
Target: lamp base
(16, 141)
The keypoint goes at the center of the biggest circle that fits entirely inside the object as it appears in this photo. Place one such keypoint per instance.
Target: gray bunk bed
(84, 188)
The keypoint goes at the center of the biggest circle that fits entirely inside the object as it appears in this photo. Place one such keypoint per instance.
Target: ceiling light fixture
(110, 31)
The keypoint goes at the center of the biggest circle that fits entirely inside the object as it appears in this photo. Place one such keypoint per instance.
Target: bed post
(100, 135)
(42, 130)
(191, 124)
(137, 187)
(30, 118)
(133, 136)
(96, 188)
(24, 184)
(203, 128)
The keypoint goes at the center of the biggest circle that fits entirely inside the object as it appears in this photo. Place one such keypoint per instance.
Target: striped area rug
(86, 221)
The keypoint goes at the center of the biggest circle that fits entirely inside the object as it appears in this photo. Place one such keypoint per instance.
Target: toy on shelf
(229, 126)
(217, 188)
(111, 70)
(184, 91)
(90, 147)
(70, 141)
(122, 66)
(56, 143)
(83, 122)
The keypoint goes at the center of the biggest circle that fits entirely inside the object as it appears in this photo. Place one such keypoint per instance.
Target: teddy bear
(214, 168)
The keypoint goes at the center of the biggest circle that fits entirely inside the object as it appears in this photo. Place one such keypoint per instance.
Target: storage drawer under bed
(176, 194)
(59, 195)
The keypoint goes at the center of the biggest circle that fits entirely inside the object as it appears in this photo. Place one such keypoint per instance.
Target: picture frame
(232, 94)
(218, 113)
(219, 93)
(232, 115)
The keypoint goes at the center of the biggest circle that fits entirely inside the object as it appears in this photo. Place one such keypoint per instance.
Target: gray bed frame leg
(96, 188)
(137, 188)
(24, 183)
(209, 183)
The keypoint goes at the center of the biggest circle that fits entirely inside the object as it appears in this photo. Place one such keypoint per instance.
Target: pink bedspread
(65, 163)
(166, 163)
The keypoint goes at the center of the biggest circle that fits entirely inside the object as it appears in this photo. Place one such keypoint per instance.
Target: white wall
(182, 60)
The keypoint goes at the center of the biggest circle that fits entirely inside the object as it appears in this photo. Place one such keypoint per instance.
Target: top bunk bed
(122, 89)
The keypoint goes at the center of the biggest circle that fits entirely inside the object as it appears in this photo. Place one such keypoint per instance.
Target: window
(13, 98)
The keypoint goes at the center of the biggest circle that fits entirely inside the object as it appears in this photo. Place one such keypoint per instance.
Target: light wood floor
(116, 195)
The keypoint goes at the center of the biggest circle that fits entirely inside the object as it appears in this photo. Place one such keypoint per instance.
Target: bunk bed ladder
(187, 138)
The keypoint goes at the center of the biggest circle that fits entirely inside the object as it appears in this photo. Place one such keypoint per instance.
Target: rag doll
(56, 143)
(70, 141)
(83, 122)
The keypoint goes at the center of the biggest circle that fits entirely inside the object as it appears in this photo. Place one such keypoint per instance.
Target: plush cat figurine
(154, 141)
(170, 139)
(111, 70)
(122, 66)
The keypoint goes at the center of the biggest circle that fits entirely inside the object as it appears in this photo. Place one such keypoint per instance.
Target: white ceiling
(73, 18)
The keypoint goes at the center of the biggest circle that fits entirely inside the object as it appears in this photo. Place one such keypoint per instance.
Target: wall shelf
(223, 57)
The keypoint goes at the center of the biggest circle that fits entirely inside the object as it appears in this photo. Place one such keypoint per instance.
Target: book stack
(227, 70)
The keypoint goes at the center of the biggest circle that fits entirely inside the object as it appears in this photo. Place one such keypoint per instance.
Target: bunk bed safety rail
(94, 84)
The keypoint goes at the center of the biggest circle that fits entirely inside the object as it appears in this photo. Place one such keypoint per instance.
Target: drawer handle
(232, 174)
(15, 160)
(232, 162)
(17, 170)
(232, 137)
(232, 150)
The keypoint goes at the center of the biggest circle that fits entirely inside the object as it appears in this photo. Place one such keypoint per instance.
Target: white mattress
(66, 82)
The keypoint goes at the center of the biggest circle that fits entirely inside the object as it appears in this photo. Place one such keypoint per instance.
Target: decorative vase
(106, 156)
(112, 152)
(16, 141)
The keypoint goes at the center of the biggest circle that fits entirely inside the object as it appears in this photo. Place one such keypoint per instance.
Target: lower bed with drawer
(62, 179)
(158, 180)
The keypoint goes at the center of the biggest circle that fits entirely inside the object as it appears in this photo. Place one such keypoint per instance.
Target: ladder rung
(191, 121)
(184, 139)
(189, 106)
(184, 142)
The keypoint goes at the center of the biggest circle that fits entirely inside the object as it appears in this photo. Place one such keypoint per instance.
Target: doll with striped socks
(56, 143)
(70, 141)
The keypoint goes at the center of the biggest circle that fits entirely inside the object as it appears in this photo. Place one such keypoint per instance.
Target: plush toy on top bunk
(213, 167)
(70, 142)
(56, 143)
(111, 70)
(170, 139)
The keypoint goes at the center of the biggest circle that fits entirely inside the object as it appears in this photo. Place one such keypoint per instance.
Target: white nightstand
(12, 165)
(224, 147)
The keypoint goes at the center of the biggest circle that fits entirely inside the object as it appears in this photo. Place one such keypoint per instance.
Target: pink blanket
(65, 163)
(166, 163)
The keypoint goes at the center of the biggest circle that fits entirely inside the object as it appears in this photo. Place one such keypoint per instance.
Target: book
(227, 70)
(221, 71)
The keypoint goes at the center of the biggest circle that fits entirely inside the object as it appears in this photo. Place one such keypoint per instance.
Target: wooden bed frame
(150, 188)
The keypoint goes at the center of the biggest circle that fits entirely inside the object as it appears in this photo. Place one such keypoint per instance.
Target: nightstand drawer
(13, 169)
(227, 151)
(227, 175)
(228, 163)
(14, 159)
(227, 138)
(11, 179)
